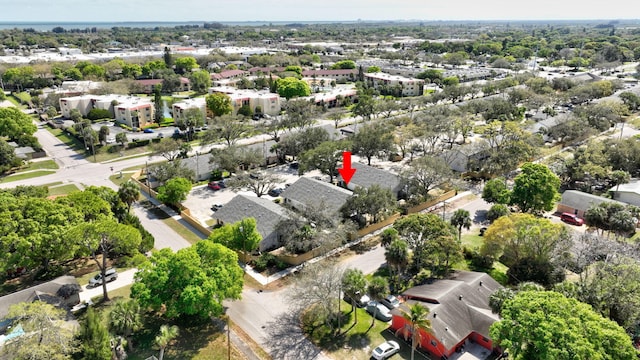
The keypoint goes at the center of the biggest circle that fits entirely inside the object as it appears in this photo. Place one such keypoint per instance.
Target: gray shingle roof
(583, 201)
(366, 176)
(34, 292)
(460, 303)
(312, 192)
(267, 213)
(630, 187)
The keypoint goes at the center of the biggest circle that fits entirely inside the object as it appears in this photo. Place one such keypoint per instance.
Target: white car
(385, 350)
(110, 276)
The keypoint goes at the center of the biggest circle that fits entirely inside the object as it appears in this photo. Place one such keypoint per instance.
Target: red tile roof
(309, 73)
(147, 82)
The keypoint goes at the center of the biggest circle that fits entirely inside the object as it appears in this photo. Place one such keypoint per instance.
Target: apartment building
(129, 110)
(179, 108)
(406, 86)
(268, 102)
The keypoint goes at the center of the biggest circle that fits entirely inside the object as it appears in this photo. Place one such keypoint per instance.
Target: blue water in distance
(47, 26)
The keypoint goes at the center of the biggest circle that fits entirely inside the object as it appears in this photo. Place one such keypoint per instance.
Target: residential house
(627, 193)
(47, 292)
(179, 108)
(222, 78)
(267, 214)
(266, 71)
(578, 202)
(149, 84)
(311, 194)
(459, 313)
(267, 102)
(465, 158)
(367, 176)
(406, 86)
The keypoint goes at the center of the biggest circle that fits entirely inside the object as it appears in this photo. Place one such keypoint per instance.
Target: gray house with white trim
(309, 193)
(267, 214)
(577, 202)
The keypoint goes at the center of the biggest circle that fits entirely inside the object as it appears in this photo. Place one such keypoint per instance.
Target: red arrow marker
(347, 171)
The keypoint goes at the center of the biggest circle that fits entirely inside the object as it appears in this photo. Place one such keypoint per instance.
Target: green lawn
(40, 165)
(116, 179)
(355, 340)
(27, 175)
(472, 240)
(69, 140)
(63, 190)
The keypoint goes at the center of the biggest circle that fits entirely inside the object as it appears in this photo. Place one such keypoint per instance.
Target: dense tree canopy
(546, 325)
(531, 246)
(219, 104)
(535, 188)
(432, 240)
(291, 87)
(192, 282)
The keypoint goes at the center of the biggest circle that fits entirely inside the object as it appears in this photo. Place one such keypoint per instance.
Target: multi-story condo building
(405, 86)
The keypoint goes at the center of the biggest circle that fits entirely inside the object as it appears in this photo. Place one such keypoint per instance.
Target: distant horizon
(64, 11)
(49, 25)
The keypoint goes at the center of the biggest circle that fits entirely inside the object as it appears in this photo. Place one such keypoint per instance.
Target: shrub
(216, 175)
(124, 126)
(476, 259)
(264, 261)
(151, 126)
(97, 114)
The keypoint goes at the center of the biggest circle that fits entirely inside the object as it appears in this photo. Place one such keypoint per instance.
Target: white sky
(311, 10)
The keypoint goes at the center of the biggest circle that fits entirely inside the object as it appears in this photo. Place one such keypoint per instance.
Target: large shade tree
(107, 238)
(546, 325)
(533, 248)
(432, 240)
(192, 282)
(535, 188)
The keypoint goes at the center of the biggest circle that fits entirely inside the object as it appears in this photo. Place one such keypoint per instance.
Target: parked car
(222, 184)
(148, 131)
(275, 192)
(216, 207)
(571, 219)
(385, 350)
(214, 186)
(294, 165)
(110, 275)
(378, 310)
(361, 300)
(390, 301)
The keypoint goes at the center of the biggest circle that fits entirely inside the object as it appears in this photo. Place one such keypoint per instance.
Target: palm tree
(417, 321)
(397, 256)
(125, 318)
(461, 219)
(129, 192)
(354, 284)
(167, 334)
(378, 288)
